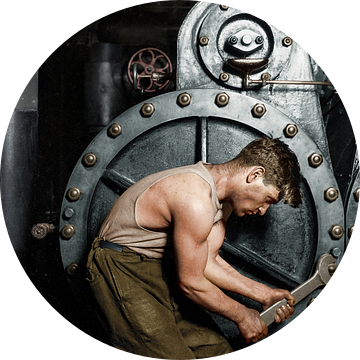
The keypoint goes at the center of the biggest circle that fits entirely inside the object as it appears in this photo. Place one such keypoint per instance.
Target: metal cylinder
(18, 169)
(102, 97)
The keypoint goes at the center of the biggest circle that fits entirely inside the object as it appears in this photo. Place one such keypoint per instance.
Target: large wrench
(321, 277)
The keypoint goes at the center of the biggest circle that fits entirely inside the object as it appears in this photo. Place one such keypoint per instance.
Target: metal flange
(202, 106)
(233, 125)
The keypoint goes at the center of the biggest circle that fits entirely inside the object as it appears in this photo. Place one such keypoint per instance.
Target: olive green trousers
(143, 311)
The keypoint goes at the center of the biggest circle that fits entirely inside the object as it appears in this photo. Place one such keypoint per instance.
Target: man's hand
(252, 327)
(284, 312)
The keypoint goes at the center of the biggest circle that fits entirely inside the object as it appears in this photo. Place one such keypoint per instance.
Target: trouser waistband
(110, 245)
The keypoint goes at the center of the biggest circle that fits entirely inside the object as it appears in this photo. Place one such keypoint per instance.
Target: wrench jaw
(322, 267)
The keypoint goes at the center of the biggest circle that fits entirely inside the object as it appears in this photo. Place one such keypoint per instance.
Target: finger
(277, 318)
(266, 330)
(286, 311)
(291, 300)
(281, 314)
(291, 309)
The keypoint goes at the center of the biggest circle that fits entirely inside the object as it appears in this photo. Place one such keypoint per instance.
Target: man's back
(141, 218)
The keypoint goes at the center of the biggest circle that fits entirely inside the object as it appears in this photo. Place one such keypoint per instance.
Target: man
(178, 215)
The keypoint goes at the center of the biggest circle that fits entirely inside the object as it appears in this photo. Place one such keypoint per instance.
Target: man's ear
(255, 173)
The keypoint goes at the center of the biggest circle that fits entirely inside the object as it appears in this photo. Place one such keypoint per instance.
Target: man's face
(256, 199)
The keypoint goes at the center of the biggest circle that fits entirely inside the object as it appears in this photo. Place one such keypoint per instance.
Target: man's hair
(282, 169)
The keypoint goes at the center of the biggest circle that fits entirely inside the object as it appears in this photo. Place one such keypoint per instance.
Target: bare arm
(219, 272)
(192, 217)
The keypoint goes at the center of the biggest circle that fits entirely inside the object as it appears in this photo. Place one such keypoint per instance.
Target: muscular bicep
(192, 219)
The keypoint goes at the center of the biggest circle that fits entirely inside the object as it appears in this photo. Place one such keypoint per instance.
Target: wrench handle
(269, 314)
(300, 293)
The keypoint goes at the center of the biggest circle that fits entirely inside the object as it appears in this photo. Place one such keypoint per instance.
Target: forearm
(221, 274)
(206, 294)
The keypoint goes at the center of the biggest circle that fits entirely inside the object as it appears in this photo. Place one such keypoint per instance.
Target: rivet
(73, 194)
(184, 99)
(336, 252)
(258, 110)
(223, 7)
(89, 159)
(287, 41)
(204, 40)
(222, 99)
(68, 231)
(72, 269)
(315, 160)
(336, 232)
(114, 130)
(147, 110)
(356, 194)
(291, 130)
(224, 77)
(331, 194)
(311, 300)
(351, 229)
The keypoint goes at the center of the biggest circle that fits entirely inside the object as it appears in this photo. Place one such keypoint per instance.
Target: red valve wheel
(149, 60)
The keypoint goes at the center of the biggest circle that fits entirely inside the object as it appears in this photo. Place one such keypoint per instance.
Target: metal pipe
(290, 82)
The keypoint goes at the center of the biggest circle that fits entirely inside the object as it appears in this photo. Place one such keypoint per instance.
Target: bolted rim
(202, 105)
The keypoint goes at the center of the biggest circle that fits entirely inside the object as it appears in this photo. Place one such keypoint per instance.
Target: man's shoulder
(188, 184)
(191, 194)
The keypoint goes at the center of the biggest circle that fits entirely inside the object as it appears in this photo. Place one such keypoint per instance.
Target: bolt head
(39, 231)
(147, 110)
(68, 231)
(73, 194)
(89, 159)
(224, 77)
(224, 7)
(114, 130)
(72, 269)
(356, 194)
(291, 130)
(287, 41)
(331, 194)
(336, 252)
(68, 212)
(351, 229)
(184, 99)
(222, 99)
(204, 40)
(336, 232)
(315, 160)
(233, 40)
(258, 110)
(259, 40)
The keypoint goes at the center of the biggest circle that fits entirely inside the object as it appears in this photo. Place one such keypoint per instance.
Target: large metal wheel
(175, 129)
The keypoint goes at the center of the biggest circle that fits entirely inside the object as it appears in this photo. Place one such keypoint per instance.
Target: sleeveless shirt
(121, 226)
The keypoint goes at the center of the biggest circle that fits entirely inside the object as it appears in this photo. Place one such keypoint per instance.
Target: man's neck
(221, 178)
